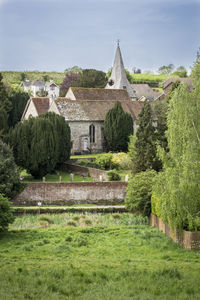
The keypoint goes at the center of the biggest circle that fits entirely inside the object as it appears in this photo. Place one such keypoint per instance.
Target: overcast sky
(52, 35)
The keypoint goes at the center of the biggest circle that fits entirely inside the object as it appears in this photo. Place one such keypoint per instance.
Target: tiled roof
(145, 90)
(38, 83)
(41, 104)
(100, 94)
(171, 80)
(88, 110)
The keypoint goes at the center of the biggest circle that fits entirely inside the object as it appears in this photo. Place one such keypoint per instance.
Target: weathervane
(118, 42)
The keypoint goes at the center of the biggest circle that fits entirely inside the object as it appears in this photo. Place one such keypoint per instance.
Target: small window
(124, 87)
(92, 133)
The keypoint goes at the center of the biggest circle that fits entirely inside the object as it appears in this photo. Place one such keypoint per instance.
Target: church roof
(118, 79)
(89, 110)
(41, 104)
(100, 94)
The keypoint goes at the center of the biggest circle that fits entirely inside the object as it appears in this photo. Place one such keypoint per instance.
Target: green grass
(85, 156)
(150, 78)
(54, 177)
(107, 261)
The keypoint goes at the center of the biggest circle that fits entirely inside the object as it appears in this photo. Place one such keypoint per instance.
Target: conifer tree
(145, 146)
(41, 144)
(118, 126)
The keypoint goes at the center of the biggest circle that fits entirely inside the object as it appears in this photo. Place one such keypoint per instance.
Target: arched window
(92, 133)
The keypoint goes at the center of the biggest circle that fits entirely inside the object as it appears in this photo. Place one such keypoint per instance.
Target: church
(85, 109)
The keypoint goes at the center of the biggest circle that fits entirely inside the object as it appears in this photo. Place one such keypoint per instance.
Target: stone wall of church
(81, 139)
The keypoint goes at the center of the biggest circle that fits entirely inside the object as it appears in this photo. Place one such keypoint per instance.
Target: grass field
(110, 259)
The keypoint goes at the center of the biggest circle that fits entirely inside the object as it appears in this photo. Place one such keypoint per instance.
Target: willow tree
(118, 126)
(179, 197)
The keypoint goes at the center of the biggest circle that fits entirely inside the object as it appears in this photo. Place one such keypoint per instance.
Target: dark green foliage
(138, 197)
(9, 175)
(46, 77)
(118, 126)
(6, 215)
(145, 144)
(23, 76)
(41, 144)
(113, 175)
(160, 109)
(91, 78)
(5, 107)
(18, 100)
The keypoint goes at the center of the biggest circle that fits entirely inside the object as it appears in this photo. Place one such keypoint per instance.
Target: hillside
(15, 77)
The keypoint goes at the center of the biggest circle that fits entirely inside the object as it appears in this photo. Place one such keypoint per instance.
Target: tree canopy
(91, 78)
(118, 126)
(41, 144)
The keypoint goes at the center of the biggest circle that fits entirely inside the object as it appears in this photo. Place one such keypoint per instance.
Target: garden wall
(187, 239)
(66, 193)
(84, 171)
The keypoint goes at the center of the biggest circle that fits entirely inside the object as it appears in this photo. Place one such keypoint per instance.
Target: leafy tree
(160, 109)
(139, 190)
(74, 70)
(118, 126)
(166, 69)
(178, 189)
(91, 78)
(9, 175)
(41, 144)
(46, 77)
(145, 144)
(23, 76)
(181, 71)
(6, 215)
(68, 81)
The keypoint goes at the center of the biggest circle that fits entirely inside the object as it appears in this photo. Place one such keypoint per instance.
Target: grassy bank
(107, 261)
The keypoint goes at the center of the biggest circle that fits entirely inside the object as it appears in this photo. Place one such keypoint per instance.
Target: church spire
(118, 79)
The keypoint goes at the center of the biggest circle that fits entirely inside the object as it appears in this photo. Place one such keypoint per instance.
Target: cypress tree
(145, 147)
(118, 126)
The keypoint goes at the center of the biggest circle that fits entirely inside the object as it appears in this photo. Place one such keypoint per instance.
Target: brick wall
(187, 239)
(66, 193)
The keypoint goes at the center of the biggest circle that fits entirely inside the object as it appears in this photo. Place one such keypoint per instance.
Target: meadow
(94, 257)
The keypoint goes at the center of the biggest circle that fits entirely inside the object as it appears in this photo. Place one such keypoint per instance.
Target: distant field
(15, 77)
(94, 257)
(150, 78)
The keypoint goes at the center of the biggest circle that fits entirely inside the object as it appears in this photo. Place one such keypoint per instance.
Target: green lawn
(54, 177)
(113, 259)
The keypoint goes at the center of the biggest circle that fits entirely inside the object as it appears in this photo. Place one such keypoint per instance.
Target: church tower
(118, 79)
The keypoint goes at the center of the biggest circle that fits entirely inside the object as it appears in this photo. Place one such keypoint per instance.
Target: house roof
(89, 110)
(26, 83)
(41, 104)
(38, 83)
(146, 91)
(100, 94)
(188, 81)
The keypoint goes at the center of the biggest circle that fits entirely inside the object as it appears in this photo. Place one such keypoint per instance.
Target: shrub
(121, 161)
(113, 175)
(104, 161)
(6, 215)
(139, 190)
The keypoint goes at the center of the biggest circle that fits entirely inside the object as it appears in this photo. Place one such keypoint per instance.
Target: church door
(85, 144)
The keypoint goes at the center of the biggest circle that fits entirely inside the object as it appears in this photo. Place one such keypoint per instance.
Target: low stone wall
(84, 171)
(66, 193)
(187, 239)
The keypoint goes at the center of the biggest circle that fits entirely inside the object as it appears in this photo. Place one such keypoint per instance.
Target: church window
(111, 82)
(92, 133)
(124, 87)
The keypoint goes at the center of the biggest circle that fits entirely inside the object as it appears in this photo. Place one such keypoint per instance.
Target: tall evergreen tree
(18, 100)
(145, 147)
(118, 126)
(5, 107)
(41, 144)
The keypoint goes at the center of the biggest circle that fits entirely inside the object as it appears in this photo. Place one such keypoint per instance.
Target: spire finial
(118, 41)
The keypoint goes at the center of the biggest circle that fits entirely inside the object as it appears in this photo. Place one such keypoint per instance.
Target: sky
(52, 35)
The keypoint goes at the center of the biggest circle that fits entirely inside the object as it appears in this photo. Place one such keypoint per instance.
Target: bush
(104, 161)
(6, 215)
(121, 161)
(139, 190)
(113, 175)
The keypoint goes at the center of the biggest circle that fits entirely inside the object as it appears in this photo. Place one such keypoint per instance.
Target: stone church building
(85, 109)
